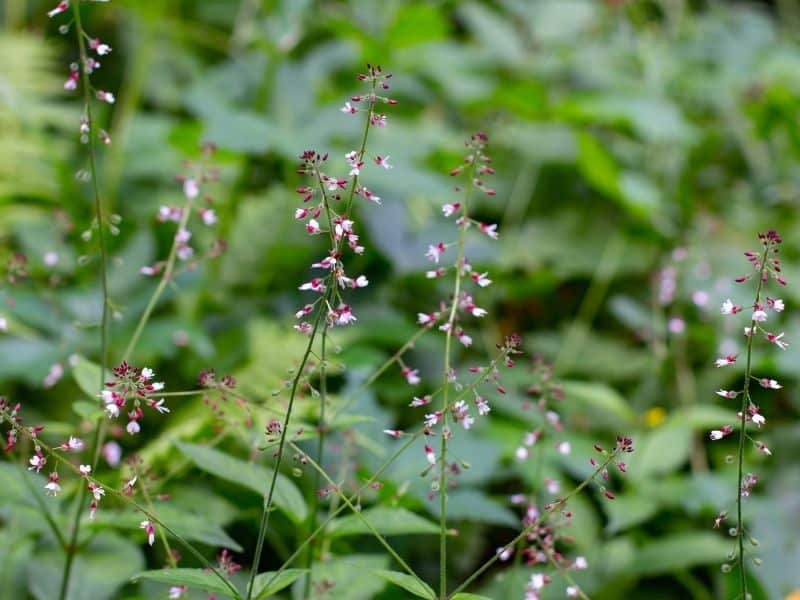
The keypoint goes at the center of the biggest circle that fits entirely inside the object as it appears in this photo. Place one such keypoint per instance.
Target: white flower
(729, 308)
(147, 373)
(758, 419)
(581, 563)
(37, 462)
(716, 434)
(191, 189)
(775, 304)
(85, 469)
(133, 427)
(564, 448)
(770, 384)
(521, 453)
(727, 393)
(3, 324)
(759, 316)
(151, 532)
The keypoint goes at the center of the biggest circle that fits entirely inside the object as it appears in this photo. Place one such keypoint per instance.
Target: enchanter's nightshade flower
(727, 393)
(718, 434)
(775, 304)
(411, 375)
(434, 253)
(449, 209)
(383, 161)
(724, 362)
(429, 454)
(729, 308)
(396, 433)
(150, 530)
(759, 316)
(106, 97)
(60, 8)
(349, 109)
(776, 339)
(37, 461)
(73, 444)
(52, 488)
(771, 384)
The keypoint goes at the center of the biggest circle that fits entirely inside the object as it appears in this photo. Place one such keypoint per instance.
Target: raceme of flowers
(327, 209)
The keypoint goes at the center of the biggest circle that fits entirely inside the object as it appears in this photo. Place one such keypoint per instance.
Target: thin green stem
(161, 535)
(358, 513)
(321, 309)
(321, 426)
(446, 386)
(262, 529)
(42, 507)
(557, 505)
(166, 277)
(742, 427)
(70, 548)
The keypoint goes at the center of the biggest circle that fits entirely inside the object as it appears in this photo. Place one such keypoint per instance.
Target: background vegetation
(635, 143)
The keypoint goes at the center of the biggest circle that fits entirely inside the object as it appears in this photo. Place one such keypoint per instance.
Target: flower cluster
(327, 210)
(135, 386)
(768, 267)
(182, 248)
(763, 310)
(90, 49)
(545, 392)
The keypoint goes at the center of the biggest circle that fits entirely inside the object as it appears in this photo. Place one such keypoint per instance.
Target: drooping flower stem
(446, 386)
(105, 320)
(743, 424)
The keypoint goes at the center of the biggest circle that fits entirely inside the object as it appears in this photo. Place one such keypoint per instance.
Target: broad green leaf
(192, 578)
(475, 505)
(386, 520)
(599, 402)
(680, 551)
(99, 570)
(266, 584)
(250, 475)
(415, 24)
(352, 576)
(408, 583)
(464, 596)
(662, 451)
(628, 510)
(87, 376)
(193, 527)
(87, 410)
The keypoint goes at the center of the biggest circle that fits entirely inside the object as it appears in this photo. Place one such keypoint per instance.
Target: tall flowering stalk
(327, 210)
(80, 73)
(767, 267)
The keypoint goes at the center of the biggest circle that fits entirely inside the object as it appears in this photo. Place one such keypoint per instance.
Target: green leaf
(99, 570)
(386, 520)
(250, 475)
(87, 410)
(87, 376)
(408, 583)
(353, 576)
(463, 596)
(264, 586)
(191, 526)
(416, 24)
(599, 403)
(661, 451)
(628, 510)
(192, 578)
(680, 551)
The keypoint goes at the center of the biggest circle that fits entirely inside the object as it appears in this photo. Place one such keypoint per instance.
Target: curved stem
(71, 547)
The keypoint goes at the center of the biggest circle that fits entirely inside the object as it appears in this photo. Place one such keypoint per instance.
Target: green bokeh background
(633, 142)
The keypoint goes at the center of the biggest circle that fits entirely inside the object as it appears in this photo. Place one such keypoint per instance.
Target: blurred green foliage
(628, 138)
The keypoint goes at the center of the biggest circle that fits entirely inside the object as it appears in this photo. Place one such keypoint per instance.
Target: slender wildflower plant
(767, 267)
